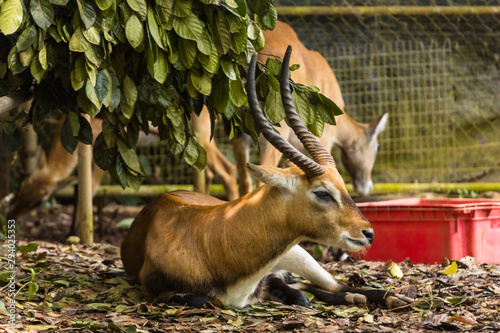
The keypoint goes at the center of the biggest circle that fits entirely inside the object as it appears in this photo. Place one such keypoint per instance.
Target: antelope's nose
(369, 234)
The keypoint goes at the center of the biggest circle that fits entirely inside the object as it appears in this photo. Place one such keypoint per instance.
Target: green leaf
(274, 107)
(42, 57)
(78, 74)
(27, 38)
(237, 92)
(103, 156)
(220, 93)
(130, 91)
(102, 85)
(195, 155)
(269, 20)
(210, 63)
(302, 107)
(31, 247)
(78, 43)
(92, 35)
(202, 83)
(68, 141)
(85, 135)
(228, 68)
(36, 69)
(42, 12)
(222, 36)
(242, 7)
(129, 157)
(273, 66)
(187, 52)
(33, 288)
(125, 223)
(74, 123)
(189, 27)
(160, 67)
(91, 94)
(26, 56)
(153, 28)
(259, 7)
(14, 62)
(104, 4)
(134, 31)
(87, 12)
(191, 152)
(11, 16)
(239, 40)
(204, 43)
(273, 82)
(140, 7)
(182, 8)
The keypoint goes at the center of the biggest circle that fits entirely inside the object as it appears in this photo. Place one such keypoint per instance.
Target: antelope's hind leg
(159, 289)
(275, 288)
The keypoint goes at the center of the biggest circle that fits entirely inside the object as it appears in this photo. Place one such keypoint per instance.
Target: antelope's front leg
(326, 288)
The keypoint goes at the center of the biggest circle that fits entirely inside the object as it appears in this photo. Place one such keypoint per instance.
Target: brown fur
(201, 245)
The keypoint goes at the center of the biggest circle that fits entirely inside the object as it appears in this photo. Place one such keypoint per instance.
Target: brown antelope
(357, 141)
(187, 247)
(55, 171)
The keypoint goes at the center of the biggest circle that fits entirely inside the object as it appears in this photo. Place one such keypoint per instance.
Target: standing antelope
(55, 171)
(188, 247)
(357, 141)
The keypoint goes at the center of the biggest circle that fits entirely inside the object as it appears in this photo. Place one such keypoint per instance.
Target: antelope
(188, 247)
(55, 171)
(357, 141)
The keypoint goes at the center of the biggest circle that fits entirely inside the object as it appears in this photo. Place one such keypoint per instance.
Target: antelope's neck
(254, 229)
(344, 131)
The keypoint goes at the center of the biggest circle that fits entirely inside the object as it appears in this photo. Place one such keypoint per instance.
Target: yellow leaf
(396, 271)
(452, 269)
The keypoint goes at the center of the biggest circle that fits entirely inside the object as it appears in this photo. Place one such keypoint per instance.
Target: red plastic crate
(429, 230)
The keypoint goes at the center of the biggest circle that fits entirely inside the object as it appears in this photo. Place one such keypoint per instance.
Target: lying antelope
(188, 247)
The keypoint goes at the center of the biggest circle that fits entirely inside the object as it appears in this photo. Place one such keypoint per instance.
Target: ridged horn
(310, 142)
(310, 167)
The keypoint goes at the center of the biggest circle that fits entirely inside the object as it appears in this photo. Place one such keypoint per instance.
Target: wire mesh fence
(433, 64)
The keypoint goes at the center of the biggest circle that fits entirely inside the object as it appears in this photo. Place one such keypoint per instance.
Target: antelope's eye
(324, 196)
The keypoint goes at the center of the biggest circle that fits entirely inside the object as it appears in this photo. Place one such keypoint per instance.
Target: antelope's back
(134, 243)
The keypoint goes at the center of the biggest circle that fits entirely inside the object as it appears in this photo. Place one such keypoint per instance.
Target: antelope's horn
(310, 142)
(310, 167)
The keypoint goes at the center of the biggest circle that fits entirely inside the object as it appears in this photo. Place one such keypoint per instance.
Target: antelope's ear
(378, 125)
(272, 176)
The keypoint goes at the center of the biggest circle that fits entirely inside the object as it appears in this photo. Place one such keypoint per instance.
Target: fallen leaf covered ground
(68, 288)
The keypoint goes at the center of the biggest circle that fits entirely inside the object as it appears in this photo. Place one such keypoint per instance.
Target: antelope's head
(359, 151)
(35, 189)
(313, 195)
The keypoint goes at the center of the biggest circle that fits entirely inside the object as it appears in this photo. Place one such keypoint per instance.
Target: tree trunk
(84, 217)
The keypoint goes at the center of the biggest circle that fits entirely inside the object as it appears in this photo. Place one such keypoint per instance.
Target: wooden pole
(387, 10)
(84, 218)
(30, 145)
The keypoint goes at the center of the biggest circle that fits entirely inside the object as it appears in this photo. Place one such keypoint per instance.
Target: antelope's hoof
(356, 299)
(397, 301)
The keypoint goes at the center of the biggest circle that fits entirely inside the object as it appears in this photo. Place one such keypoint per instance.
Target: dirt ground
(66, 288)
